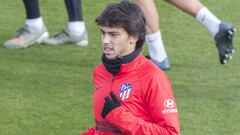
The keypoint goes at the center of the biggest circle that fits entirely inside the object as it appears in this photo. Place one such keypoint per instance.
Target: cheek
(118, 46)
(120, 43)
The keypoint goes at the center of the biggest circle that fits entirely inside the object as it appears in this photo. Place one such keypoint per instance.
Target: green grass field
(47, 90)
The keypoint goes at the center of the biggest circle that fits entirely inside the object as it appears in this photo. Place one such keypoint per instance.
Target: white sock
(156, 47)
(76, 27)
(36, 23)
(209, 20)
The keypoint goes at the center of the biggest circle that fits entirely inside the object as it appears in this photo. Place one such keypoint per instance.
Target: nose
(105, 39)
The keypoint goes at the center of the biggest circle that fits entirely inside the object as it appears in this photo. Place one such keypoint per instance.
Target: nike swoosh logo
(97, 87)
(152, 40)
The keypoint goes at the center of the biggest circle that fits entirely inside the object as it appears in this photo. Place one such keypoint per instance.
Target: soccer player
(132, 95)
(35, 30)
(221, 32)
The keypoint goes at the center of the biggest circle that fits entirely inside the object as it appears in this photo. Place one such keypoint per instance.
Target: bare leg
(154, 38)
(150, 11)
(197, 10)
(192, 7)
(222, 32)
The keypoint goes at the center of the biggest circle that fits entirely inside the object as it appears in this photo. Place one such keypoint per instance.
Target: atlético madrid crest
(125, 91)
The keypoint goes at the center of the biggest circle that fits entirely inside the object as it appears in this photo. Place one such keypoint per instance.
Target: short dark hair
(125, 15)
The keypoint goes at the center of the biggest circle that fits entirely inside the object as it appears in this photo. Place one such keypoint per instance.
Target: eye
(114, 34)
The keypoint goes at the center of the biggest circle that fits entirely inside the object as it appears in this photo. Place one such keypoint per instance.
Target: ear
(133, 39)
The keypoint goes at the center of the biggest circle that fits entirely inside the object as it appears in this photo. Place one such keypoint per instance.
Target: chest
(128, 89)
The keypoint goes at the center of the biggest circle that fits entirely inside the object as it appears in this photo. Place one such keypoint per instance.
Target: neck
(114, 65)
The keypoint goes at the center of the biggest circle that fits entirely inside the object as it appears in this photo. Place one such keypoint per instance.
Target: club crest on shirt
(125, 91)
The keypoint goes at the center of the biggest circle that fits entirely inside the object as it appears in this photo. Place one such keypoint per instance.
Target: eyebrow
(111, 32)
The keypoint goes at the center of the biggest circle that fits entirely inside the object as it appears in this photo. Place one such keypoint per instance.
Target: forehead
(113, 29)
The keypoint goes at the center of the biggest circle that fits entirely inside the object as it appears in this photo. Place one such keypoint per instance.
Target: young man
(221, 32)
(132, 95)
(35, 31)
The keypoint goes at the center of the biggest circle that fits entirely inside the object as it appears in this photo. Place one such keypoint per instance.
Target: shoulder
(149, 69)
(98, 68)
(100, 72)
(150, 76)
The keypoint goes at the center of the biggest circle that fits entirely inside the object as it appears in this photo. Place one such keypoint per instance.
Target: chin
(109, 57)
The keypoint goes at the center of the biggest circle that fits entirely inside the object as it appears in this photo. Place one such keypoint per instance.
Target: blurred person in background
(35, 30)
(221, 32)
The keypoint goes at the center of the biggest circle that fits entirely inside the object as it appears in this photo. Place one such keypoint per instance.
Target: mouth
(107, 50)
